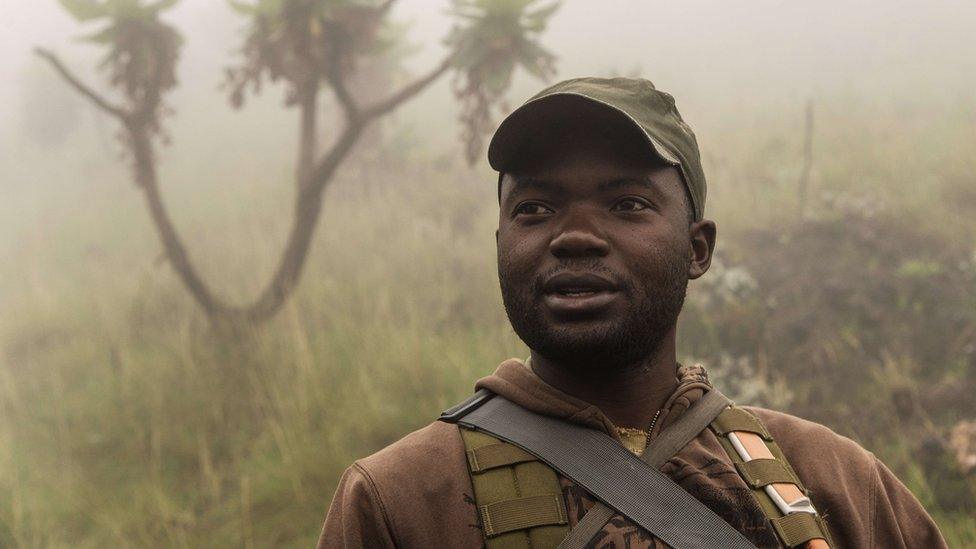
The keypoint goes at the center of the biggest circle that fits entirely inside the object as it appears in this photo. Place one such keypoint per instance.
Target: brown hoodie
(417, 492)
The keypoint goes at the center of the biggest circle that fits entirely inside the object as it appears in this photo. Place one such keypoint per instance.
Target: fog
(721, 60)
(130, 415)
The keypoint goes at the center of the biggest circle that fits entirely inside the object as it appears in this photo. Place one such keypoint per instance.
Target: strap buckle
(458, 411)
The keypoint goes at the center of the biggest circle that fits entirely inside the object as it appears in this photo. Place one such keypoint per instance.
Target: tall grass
(125, 421)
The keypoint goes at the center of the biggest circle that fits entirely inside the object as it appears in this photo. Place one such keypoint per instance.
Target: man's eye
(629, 205)
(531, 208)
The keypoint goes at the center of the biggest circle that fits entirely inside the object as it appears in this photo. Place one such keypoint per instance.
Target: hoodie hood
(515, 380)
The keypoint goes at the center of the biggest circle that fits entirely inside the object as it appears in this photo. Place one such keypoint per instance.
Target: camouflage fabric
(711, 480)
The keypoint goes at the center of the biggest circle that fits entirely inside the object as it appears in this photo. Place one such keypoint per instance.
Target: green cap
(634, 99)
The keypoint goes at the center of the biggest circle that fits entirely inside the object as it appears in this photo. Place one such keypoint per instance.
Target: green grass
(127, 422)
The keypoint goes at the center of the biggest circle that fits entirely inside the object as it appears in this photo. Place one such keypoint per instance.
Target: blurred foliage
(142, 50)
(494, 37)
(876, 315)
(300, 41)
(311, 45)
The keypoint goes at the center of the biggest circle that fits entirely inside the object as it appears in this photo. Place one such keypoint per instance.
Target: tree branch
(333, 75)
(342, 94)
(408, 91)
(308, 202)
(78, 85)
(308, 207)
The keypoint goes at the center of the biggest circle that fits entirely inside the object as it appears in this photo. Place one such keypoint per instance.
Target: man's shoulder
(864, 504)
(418, 488)
(429, 452)
(840, 474)
(794, 434)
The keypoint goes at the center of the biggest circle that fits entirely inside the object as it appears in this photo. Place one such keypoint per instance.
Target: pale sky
(709, 54)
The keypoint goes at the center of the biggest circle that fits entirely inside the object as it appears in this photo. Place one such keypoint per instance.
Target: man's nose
(579, 236)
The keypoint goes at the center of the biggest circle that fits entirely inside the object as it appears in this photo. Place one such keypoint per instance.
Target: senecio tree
(310, 46)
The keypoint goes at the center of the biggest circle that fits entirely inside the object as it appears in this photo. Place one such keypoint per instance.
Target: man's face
(594, 249)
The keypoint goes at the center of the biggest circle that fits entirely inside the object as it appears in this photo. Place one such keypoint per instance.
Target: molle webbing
(737, 419)
(499, 454)
(762, 472)
(520, 503)
(599, 465)
(799, 529)
(519, 498)
(801, 526)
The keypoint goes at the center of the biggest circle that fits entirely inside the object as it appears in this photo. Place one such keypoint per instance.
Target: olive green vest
(521, 506)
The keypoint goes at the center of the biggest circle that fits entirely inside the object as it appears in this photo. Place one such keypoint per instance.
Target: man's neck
(629, 395)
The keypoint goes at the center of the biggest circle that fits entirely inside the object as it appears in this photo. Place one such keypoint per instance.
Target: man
(600, 229)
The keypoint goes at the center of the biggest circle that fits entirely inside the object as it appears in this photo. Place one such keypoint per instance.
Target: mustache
(584, 265)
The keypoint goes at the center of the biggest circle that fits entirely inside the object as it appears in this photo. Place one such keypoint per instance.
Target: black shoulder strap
(605, 469)
(673, 438)
(459, 410)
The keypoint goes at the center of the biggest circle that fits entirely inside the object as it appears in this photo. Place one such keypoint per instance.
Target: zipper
(650, 428)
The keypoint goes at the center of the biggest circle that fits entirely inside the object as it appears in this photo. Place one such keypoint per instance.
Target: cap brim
(536, 118)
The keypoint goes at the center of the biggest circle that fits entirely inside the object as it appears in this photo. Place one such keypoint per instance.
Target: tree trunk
(308, 206)
(145, 175)
(307, 210)
(312, 179)
(308, 105)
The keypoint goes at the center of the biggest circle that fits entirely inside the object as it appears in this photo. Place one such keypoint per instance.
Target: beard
(653, 299)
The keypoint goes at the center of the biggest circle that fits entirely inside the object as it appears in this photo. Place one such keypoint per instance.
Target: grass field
(126, 422)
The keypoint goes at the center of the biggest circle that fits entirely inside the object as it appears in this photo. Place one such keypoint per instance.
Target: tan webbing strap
(767, 469)
(496, 455)
(737, 419)
(796, 529)
(763, 472)
(517, 514)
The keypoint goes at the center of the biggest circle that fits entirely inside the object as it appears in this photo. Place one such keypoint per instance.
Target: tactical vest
(520, 502)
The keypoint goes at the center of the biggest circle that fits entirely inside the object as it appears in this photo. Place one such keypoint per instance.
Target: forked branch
(81, 87)
(308, 201)
(408, 91)
(333, 75)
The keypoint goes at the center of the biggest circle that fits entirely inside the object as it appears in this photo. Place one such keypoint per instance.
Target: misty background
(127, 420)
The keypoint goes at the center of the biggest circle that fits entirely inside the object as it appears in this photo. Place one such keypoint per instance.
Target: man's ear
(702, 235)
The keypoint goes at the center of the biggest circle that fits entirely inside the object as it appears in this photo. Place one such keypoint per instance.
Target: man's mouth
(571, 294)
(567, 283)
(576, 292)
